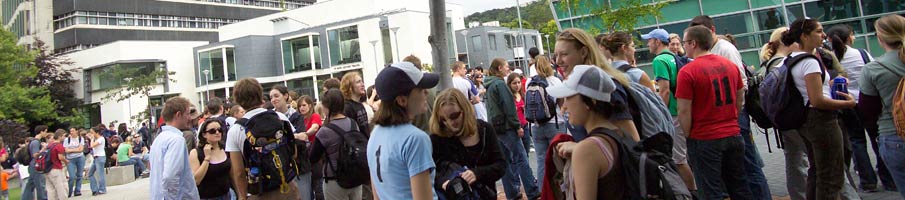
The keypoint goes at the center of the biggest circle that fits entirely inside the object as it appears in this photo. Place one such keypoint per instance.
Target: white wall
(177, 54)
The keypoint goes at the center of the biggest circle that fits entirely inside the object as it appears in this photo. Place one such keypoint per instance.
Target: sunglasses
(454, 116)
(213, 131)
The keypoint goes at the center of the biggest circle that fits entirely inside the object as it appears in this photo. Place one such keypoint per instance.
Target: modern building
(486, 43)
(303, 47)
(750, 21)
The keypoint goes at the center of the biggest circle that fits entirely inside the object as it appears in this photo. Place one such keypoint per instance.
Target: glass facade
(301, 53)
(102, 78)
(132, 19)
(749, 21)
(343, 45)
(286, 4)
(220, 64)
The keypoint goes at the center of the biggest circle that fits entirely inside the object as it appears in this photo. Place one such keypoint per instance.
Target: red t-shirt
(55, 151)
(313, 119)
(711, 82)
(520, 111)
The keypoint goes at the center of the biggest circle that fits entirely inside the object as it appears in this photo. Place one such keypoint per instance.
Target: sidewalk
(138, 189)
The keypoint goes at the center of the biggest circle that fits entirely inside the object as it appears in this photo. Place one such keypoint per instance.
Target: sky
(471, 6)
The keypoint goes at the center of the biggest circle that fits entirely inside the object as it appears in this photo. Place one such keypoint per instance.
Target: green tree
(623, 17)
(52, 75)
(19, 104)
(136, 81)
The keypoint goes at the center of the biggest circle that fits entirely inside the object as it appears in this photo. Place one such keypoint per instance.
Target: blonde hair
(469, 120)
(543, 66)
(891, 30)
(347, 85)
(769, 49)
(681, 48)
(583, 42)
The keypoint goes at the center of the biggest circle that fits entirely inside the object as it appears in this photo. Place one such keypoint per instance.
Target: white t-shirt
(99, 149)
(23, 171)
(235, 138)
(852, 62)
(462, 85)
(728, 51)
(805, 67)
(70, 143)
(230, 121)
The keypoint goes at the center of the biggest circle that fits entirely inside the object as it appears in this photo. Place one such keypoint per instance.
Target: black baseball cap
(399, 79)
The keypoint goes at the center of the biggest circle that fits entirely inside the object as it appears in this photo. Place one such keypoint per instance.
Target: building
(303, 47)
(486, 43)
(750, 21)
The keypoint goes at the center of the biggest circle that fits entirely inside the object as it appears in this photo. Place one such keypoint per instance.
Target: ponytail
(838, 36)
(891, 30)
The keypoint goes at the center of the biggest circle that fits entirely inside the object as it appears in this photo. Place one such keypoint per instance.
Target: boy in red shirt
(710, 95)
(56, 179)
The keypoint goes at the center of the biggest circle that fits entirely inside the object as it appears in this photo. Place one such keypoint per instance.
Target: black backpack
(351, 168)
(752, 96)
(270, 153)
(650, 172)
(681, 61)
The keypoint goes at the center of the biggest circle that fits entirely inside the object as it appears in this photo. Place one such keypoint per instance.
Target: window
(733, 24)
(477, 43)
(720, 7)
(343, 44)
(299, 54)
(794, 12)
(769, 19)
(231, 64)
(832, 10)
(491, 41)
(680, 10)
(103, 78)
(320, 83)
(880, 6)
(303, 86)
(387, 46)
(215, 64)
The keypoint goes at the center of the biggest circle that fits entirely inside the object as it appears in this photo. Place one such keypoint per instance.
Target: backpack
(648, 111)
(650, 172)
(270, 153)
(898, 103)
(43, 163)
(752, 96)
(681, 61)
(351, 168)
(864, 56)
(540, 107)
(223, 124)
(780, 99)
(624, 68)
(23, 155)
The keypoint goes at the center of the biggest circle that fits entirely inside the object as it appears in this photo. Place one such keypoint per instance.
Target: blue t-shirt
(395, 154)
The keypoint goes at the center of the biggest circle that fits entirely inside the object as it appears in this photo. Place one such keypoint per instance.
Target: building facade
(750, 21)
(485, 43)
(302, 48)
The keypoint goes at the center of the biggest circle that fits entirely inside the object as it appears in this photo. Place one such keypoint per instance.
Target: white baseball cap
(587, 80)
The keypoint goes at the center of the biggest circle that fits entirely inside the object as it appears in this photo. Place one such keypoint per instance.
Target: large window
(769, 19)
(881, 6)
(477, 43)
(734, 24)
(109, 76)
(344, 47)
(715, 7)
(387, 46)
(219, 67)
(832, 10)
(298, 54)
(491, 41)
(130, 19)
(303, 86)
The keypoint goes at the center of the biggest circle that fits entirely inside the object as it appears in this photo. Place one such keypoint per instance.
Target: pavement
(774, 169)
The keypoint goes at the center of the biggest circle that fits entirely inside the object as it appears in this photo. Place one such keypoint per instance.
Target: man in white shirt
(172, 177)
(462, 84)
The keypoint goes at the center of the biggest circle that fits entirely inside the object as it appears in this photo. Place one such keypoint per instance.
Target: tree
(136, 81)
(534, 14)
(624, 17)
(19, 104)
(53, 76)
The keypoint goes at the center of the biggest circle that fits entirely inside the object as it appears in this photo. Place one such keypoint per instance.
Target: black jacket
(488, 168)
(356, 111)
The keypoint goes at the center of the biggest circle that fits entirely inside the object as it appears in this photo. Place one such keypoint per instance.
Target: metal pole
(396, 42)
(518, 11)
(376, 64)
(438, 41)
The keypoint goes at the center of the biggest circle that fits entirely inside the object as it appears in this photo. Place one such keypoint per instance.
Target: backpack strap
(890, 69)
(340, 132)
(625, 67)
(864, 56)
(607, 154)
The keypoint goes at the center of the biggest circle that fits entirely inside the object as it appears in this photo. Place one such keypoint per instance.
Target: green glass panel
(287, 56)
(561, 8)
(794, 12)
(680, 10)
(872, 7)
(770, 18)
(714, 7)
(751, 58)
(315, 46)
(231, 64)
(733, 24)
(856, 25)
(333, 45)
(875, 49)
(860, 43)
(765, 3)
(204, 61)
(217, 67)
(832, 10)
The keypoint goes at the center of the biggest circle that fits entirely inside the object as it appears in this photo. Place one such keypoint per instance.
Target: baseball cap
(587, 80)
(659, 34)
(400, 78)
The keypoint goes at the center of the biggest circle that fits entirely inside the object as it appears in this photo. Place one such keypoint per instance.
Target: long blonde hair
(543, 66)
(469, 121)
(583, 42)
(891, 30)
(769, 49)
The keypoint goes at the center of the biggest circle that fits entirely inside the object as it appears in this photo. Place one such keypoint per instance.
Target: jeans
(517, 167)
(35, 186)
(892, 149)
(526, 140)
(97, 175)
(825, 148)
(866, 172)
(543, 134)
(75, 167)
(716, 163)
(796, 164)
(139, 166)
(303, 181)
(754, 165)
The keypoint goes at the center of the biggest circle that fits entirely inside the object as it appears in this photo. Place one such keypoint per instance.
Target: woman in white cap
(595, 170)
(399, 154)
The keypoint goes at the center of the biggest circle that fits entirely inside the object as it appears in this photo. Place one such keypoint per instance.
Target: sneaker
(77, 194)
(532, 150)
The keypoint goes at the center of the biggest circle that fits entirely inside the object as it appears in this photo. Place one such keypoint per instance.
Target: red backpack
(43, 163)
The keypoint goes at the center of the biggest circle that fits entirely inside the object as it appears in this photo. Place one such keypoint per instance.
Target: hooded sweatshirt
(500, 105)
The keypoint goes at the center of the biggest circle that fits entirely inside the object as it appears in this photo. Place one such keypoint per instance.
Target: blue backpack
(540, 107)
(681, 61)
(780, 99)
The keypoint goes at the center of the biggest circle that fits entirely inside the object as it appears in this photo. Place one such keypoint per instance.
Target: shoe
(77, 194)
(93, 193)
(870, 188)
(532, 150)
(101, 193)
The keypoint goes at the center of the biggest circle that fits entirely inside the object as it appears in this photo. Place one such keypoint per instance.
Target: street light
(467, 55)
(396, 42)
(376, 64)
(207, 86)
(547, 39)
(129, 80)
(518, 11)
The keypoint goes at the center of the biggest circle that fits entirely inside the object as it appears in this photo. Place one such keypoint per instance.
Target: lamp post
(547, 39)
(396, 42)
(467, 55)
(376, 64)
(207, 86)
(518, 11)
(129, 80)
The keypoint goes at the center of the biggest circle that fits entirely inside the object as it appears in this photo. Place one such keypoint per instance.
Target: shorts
(679, 149)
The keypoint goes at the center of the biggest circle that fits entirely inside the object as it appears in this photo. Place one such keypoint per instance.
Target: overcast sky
(471, 6)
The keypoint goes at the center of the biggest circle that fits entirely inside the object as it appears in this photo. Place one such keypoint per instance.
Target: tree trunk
(438, 41)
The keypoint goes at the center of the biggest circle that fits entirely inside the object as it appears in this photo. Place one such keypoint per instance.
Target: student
(5, 175)
(74, 145)
(477, 78)
(35, 187)
(171, 177)
(715, 148)
(210, 163)
(279, 97)
(56, 178)
(822, 135)
(399, 154)
(879, 82)
(328, 144)
(675, 45)
(544, 132)
(620, 48)
(463, 143)
(97, 173)
(124, 156)
(503, 116)
(235, 113)
(515, 84)
(353, 89)
(596, 173)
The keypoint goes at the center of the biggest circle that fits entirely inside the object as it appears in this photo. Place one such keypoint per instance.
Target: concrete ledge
(119, 175)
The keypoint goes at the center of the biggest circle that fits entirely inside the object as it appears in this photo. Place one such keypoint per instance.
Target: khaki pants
(332, 190)
(292, 194)
(56, 184)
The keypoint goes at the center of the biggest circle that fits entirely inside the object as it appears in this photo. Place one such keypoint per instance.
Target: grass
(15, 193)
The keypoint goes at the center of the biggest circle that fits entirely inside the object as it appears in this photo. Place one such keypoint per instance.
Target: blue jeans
(75, 167)
(892, 149)
(517, 167)
(303, 181)
(716, 163)
(866, 173)
(527, 141)
(97, 175)
(35, 186)
(139, 166)
(754, 165)
(543, 134)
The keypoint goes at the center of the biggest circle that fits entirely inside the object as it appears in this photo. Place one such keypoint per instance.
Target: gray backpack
(649, 113)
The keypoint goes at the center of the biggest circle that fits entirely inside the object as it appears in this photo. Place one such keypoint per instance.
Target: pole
(438, 41)
(376, 64)
(396, 42)
(467, 55)
(518, 11)
(129, 118)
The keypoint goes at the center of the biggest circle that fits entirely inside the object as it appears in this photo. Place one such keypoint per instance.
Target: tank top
(611, 185)
(216, 181)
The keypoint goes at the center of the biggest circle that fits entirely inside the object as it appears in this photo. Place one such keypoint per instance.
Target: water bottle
(839, 85)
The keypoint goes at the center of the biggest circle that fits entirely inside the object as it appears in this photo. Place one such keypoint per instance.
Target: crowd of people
(586, 112)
